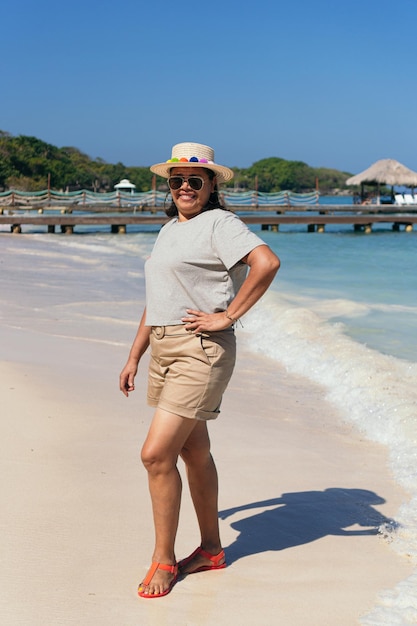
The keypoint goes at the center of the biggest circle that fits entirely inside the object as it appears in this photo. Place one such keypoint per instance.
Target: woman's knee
(196, 450)
(157, 460)
(196, 455)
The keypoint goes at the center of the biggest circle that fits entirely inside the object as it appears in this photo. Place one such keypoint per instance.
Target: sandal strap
(214, 558)
(173, 569)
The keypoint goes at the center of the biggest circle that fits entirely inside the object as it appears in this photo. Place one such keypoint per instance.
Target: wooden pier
(315, 217)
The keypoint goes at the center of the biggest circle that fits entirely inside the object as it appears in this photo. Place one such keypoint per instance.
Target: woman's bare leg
(166, 437)
(203, 482)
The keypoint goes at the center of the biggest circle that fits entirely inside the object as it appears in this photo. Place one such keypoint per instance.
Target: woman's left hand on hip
(198, 321)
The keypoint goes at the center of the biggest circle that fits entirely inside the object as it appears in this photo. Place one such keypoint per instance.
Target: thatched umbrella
(385, 172)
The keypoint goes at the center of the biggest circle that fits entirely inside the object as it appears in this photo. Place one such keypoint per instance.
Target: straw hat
(192, 155)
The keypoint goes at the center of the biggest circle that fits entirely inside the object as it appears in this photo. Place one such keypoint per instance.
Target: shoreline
(301, 491)
(300, 496)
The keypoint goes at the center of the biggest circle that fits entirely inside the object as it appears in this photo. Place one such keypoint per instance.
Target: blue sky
(327, 82)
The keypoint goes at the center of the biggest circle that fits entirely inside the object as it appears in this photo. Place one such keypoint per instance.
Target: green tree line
(30, 164)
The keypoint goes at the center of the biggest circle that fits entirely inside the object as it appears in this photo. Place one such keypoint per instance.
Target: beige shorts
(189, 373)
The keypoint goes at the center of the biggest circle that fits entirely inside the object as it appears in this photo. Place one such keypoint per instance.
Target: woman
(197, 287)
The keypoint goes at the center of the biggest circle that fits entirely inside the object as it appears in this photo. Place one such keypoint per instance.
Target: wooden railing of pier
(315, 217)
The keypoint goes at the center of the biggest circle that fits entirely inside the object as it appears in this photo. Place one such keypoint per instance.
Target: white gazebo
(125, 185)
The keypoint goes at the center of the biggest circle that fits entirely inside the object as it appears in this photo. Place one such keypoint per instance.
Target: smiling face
(188, 201)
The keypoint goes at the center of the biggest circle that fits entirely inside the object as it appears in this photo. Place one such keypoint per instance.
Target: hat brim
(164, 169)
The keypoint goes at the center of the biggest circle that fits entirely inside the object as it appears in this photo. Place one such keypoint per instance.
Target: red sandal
(215, 561)
(173, 569)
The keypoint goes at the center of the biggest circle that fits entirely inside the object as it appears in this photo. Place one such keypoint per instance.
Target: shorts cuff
(190, 413)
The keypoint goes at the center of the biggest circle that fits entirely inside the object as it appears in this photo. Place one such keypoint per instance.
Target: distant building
(125, 185)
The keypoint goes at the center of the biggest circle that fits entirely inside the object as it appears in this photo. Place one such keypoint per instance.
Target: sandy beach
(301, 493)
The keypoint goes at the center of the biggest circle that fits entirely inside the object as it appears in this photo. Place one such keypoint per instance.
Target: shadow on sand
(298, 518)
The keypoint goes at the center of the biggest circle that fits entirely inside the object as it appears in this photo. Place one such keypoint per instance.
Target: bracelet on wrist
(233, 319)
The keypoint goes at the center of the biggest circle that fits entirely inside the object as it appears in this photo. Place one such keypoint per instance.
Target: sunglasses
(195, 182)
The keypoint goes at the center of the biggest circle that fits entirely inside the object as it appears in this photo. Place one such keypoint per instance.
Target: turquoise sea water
(341, 312)
(367, 282)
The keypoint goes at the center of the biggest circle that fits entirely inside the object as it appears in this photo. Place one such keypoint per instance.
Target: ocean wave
(330, 308)
(375, 392)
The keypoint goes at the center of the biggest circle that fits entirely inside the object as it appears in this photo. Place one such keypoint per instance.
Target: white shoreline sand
(76, 522)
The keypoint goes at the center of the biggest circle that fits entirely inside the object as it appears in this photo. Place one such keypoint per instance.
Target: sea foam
(375, 392)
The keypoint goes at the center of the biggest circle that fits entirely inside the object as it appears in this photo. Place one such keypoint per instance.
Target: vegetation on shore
(30, 164)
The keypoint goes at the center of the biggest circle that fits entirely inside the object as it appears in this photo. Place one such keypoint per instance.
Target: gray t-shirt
(196, 265)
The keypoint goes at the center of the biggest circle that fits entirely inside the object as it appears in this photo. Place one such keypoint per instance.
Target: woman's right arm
(139, 347)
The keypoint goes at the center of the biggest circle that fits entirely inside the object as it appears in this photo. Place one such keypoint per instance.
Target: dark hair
(213, 201)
